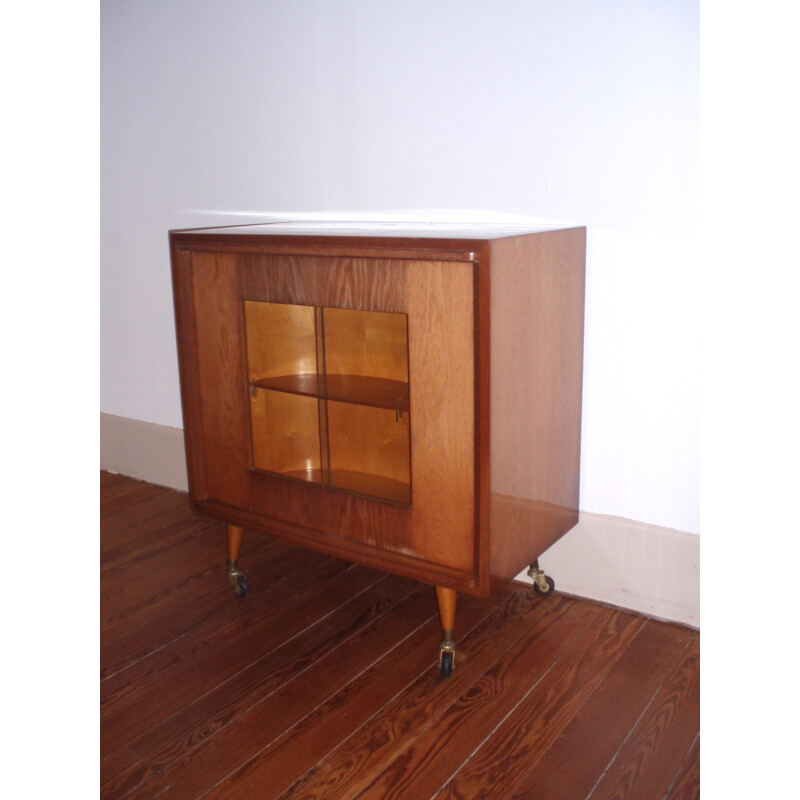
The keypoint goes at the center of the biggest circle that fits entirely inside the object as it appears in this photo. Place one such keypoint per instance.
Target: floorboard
(654, 753)
(600, 727)
(323, 682)
(498, 766)
(357, 761)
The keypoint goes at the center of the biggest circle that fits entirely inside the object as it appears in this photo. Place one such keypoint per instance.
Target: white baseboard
(152, 453)
(634, 565)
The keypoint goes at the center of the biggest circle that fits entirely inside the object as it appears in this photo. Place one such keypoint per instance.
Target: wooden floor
(323, 682)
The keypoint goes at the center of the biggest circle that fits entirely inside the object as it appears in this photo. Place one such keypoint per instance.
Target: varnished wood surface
(442, 375)
(432, 540)
(490, 337)
(359, 389)
(323, 682)
(536, 341)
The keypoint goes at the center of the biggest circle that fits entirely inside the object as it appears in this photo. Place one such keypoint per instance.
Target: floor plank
(227, 701)
(245, 737)
(498, 766)
(601, 726)
(687, 783)
(125, 533)
(301, 747)
(647, 763)
(191, 665)
(358, 760)
(153, 627)
(440, 751)
(109, 479)
(211, 712)
(323, 682)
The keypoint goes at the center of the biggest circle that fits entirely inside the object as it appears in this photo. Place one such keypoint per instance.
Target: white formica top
(433, 230)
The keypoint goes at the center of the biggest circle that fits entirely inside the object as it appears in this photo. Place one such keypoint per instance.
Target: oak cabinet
(403, 396)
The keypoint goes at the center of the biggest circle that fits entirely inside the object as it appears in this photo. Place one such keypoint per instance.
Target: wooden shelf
(361, 483)
(365, 391)
(307, 475)
(371, 485)
(357, 389)
(306, 385)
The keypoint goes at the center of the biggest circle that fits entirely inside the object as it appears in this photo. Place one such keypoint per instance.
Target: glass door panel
(282, 346)
(366, 387)
(329, 400)
(366, 357)
(282, 372)
(285, 430)
(369, 451)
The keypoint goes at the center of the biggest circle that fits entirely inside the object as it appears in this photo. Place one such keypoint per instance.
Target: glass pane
(361, 441)
(370, 451)
(281, 345)
(285, 430)
(366, 357)
(366, 385)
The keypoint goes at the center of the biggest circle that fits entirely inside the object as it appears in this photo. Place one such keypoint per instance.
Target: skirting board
(152, 453)
(634, 565)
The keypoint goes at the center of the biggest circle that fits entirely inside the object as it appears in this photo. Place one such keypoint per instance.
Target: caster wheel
(241, 588)
(447, 663)
(551, 585)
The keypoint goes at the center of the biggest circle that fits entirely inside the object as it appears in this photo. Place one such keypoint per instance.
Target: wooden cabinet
(403, 396)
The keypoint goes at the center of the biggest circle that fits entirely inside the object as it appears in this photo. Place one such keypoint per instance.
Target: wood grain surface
(323, 682)
(418, 318)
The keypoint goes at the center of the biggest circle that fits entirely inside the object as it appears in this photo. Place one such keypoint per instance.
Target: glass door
(366, 376)
(283, 379)
(329, 399)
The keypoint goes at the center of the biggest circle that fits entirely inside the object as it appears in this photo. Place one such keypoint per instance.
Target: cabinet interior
(329, 397)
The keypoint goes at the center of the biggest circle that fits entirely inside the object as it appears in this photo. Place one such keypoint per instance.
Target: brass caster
(236, 578)
(447, 657)
(542, 584)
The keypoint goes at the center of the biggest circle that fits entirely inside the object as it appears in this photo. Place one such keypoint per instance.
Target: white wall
(578, 111)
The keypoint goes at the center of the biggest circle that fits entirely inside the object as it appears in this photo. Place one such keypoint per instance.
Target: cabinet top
(369, 228)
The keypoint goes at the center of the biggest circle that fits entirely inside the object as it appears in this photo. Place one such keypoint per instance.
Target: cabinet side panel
(222, 373)
(185, 328)
(537, 305)
(442, 379)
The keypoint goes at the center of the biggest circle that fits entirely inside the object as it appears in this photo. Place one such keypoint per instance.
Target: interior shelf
(371, 485)
(367, 391)
(308, 475)
(362, 483)
(359, 389)
(306, 385)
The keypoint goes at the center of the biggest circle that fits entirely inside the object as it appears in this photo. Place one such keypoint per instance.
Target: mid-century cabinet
(402, 396)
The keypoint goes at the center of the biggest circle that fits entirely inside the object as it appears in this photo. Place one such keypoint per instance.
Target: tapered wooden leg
(235, 535)
(446, 598)
(235, 575)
